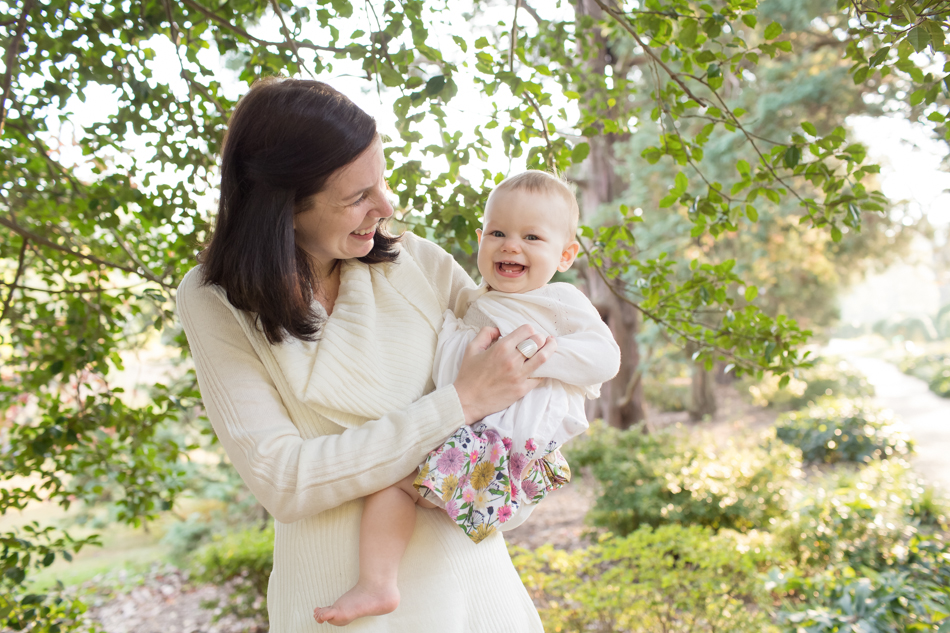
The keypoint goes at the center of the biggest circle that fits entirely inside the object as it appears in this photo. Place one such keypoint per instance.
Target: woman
(313, 334)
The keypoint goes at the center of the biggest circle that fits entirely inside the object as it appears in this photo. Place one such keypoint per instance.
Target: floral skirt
(481, 480)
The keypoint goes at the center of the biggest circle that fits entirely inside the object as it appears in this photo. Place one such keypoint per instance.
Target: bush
(843, 430)
(671, 579)
(912, 594)
(934, 369)
(666, 478)
(244, 560)
(827, 377)
(858, 519)
(668, 395)
(859, 558)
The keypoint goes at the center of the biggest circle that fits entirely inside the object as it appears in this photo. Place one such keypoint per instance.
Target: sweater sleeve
(587, 353)
(294, 477)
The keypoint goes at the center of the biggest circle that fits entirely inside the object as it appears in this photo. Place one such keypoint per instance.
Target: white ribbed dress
(371, 416)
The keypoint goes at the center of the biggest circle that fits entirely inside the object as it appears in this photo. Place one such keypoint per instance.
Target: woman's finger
(485, 337)
(547, 349)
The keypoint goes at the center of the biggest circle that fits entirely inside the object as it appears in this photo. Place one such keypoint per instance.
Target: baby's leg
(389, 517)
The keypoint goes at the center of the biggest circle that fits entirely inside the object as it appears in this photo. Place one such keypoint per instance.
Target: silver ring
(527, 347)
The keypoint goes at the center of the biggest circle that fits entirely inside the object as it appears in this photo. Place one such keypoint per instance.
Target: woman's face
(341, 221)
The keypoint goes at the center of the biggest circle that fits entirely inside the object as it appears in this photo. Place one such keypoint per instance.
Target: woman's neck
(326, 287)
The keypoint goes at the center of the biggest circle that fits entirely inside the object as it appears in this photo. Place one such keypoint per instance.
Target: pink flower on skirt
(530, 445)
(496, 453)
(507, 442)
(517, 464)
(514, 490)
(452, 509)
(530, 488)
(473, 457)
(450, 461)
(504, 513)
(468, 495)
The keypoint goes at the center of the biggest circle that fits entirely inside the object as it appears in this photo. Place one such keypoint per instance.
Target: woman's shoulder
(421, 249)
(196, 296)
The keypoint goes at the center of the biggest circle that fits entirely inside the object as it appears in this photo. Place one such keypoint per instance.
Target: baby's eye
(497, 234)
(532, 237)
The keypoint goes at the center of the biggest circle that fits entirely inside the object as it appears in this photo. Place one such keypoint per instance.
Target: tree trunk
(703, 400)
(621, 400)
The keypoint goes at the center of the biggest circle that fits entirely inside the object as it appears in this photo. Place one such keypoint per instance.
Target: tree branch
(513, 41)
(534, 14)
(290, 40)
(655, 318)
(42, 241)
(13, 48)
(211, 15)
(19, 271)
(620, 19)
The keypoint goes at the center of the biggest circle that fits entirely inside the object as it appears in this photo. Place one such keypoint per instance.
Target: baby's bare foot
(358, 602)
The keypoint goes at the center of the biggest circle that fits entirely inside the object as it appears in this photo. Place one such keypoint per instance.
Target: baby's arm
(587, 353)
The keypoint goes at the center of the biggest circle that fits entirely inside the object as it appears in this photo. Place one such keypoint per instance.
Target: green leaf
(879, 56)
(793, 154)
(773, 30)
(688, 33)
(809, 128)
(481, 42)
(713, 71)
(919, 37)
(580, 152)
(751, 213)
(751, 292)
(749, 20)
(434, 86)
(836, 234)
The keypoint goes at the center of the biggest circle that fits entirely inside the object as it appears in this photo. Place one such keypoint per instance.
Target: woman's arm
(295, 477)
(291, 476)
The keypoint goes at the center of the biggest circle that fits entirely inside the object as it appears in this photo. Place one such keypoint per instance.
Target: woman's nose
(383, 207)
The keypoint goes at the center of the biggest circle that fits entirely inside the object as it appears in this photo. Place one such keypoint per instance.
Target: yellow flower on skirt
(449, 484)
(422, 476)
(482, 532)
(482, 475)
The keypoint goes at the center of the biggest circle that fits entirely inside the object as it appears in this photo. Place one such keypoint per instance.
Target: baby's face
(524, 240)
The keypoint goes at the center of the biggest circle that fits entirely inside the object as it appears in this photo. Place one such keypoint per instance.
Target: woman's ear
(568, 255)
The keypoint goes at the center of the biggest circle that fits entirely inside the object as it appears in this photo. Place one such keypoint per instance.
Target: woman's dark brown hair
(285, 138)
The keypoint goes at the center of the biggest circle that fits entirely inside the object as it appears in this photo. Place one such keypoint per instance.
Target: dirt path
(927, 416)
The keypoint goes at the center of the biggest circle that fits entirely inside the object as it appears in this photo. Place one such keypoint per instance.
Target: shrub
(934, 369)
(667, 395)
(858, 519)
(826, 377)
(910, 594)
(665, 478)
(244, 560)
(671, 579)
(843, 430)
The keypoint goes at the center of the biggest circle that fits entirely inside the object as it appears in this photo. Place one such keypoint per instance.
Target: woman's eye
(360, 199)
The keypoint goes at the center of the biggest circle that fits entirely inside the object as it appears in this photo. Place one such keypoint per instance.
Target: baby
(489, 476)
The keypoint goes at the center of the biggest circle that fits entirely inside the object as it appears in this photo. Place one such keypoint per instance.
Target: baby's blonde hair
(541, 181)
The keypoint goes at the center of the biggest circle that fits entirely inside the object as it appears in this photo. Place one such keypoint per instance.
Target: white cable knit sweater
(370, 418)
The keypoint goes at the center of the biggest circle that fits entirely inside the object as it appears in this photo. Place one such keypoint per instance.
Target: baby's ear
(568, 255)
(478, 233)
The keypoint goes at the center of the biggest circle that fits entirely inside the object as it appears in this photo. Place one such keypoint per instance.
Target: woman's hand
(494, 374)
